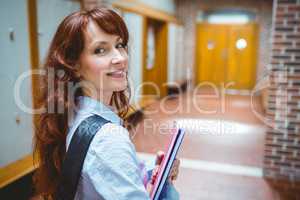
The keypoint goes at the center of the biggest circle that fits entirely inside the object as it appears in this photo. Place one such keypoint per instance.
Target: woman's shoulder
(113, 137)
(113, 131)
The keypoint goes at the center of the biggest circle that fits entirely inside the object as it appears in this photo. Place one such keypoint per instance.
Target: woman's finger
(174, 174)
(176, 162)
(154, 174)
(159, 157)
(175, 170)
(175, 166)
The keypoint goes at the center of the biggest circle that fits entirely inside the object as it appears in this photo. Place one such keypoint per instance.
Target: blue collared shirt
(111, 168)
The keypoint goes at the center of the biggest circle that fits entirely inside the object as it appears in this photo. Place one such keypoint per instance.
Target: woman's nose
(118, 57)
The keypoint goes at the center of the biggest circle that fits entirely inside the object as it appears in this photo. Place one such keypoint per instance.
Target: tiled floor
(205, 185)
(223, 136)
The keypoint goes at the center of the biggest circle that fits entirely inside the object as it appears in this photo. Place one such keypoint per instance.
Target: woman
(87, 66)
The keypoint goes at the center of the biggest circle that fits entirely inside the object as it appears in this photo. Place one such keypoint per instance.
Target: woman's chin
(120, 88)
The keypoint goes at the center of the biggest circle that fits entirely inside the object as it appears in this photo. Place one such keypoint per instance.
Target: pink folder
(166, 164)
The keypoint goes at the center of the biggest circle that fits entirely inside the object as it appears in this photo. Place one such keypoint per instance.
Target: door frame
(161, 53)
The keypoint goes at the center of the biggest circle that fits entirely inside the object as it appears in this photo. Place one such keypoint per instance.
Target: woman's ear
(77, 70)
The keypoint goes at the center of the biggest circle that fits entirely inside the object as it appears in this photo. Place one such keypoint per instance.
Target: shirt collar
(89, 105)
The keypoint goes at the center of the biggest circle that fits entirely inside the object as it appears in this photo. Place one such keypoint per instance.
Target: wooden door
(226, 54)
(155, 57)
(211, 54)
(241, 63)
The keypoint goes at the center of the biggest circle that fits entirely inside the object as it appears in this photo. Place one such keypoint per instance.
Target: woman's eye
(99, 51)
(121, 45)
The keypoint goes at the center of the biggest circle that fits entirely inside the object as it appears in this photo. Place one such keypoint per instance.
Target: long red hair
(60, 65)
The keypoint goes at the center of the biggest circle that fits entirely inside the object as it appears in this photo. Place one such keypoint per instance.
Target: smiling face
(103, 62)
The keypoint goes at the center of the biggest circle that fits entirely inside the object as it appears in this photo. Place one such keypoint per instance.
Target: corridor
(227, 72)
(222, 153)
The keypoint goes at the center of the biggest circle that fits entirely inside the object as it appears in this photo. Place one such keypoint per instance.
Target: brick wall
(282, 148)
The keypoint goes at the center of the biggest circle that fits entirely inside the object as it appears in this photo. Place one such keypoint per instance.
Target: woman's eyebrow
(98, 42)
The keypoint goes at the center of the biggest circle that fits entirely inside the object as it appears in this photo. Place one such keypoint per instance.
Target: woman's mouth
(117, 74)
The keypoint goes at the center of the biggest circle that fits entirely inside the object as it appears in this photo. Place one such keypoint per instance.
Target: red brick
(282, 8)
(283, 140)
(294, 8)
(284, 15)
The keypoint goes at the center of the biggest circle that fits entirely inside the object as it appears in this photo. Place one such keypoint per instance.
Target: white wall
(172, 65)
(176, 68)
(182, 70)
(134, 24)
(164, 5)
(14, 55)
(50, 14)
(16, 138)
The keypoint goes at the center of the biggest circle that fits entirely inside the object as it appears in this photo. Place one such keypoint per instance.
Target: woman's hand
(158, 160)
(173, 173)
